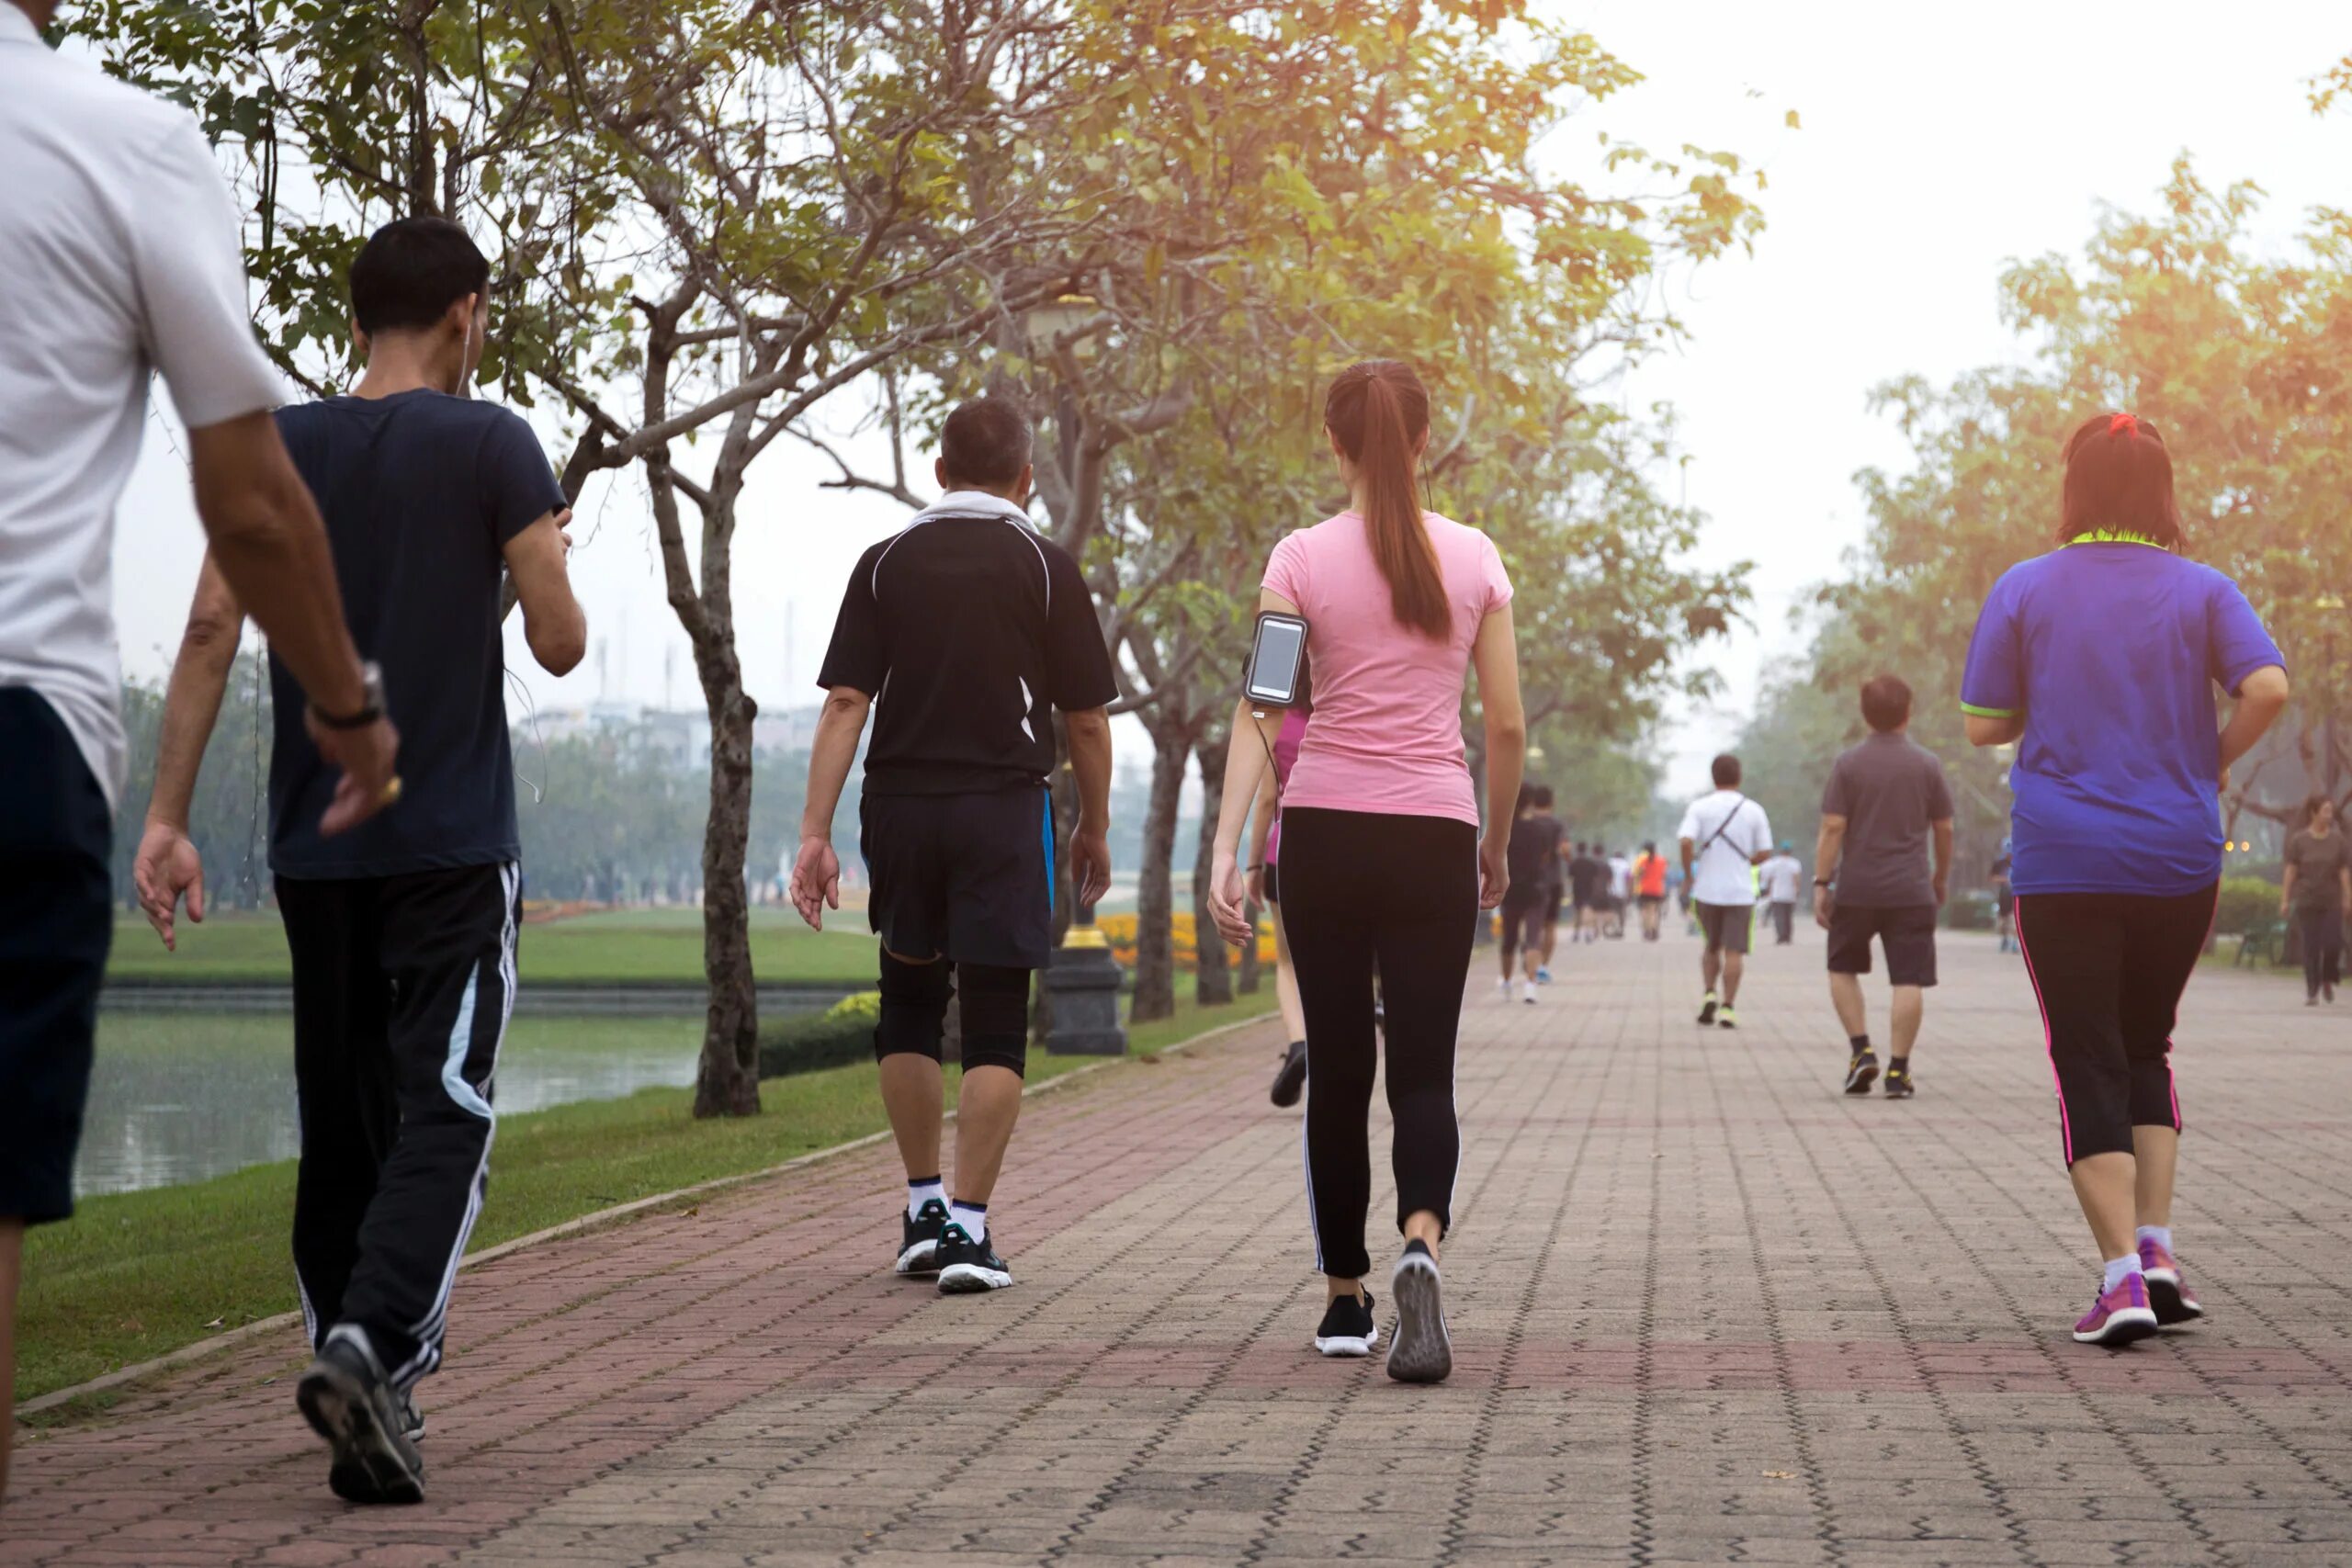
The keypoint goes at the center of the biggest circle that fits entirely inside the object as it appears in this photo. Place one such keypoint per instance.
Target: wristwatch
(371, 697)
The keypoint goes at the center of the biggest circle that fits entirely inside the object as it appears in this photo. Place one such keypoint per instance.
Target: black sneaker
(348, 1402)
(412, 1419)
(1707, 1011)
(1349, 1328)
(1863, 1072)
(1899, 1083)
(919, 1238)
(966, 1266)
(1420, 1352)
(1291, 1076)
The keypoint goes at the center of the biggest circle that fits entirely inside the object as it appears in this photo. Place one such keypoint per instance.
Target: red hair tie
(2123, 424)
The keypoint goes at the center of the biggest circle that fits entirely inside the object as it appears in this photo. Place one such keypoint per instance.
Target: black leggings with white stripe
(402, 985)
(1398, 896)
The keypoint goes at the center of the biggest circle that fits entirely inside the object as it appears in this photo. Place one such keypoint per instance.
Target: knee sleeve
(995, 1003)
(914, 1008)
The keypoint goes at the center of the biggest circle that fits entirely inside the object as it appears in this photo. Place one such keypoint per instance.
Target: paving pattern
(1706, 1310)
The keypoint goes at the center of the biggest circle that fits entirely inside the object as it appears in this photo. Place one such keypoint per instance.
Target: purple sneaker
(2119, 1316)
(2168, 1292)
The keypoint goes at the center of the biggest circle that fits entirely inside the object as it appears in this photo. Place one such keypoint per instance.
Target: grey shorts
(1726, 926)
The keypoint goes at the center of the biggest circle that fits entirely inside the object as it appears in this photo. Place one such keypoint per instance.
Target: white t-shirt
(1620, 878)
(1782, 875)
(120, 255)
(1722, 872)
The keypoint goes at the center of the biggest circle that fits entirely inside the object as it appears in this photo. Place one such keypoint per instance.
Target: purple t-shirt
(1293, 730)
(2110, 652)
(1388, 731)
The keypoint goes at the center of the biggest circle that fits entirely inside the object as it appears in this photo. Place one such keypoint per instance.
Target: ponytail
(1379, 413)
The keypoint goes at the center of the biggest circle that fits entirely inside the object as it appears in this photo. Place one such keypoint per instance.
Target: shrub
(843, 1034)
(2249, 906)
(1120, 931)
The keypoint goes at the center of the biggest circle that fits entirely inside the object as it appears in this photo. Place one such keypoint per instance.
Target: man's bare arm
(816, 884)
(553, 623)
(192, 698)
(1943, 858)
(1089, 760)
(167, 866)
(272, 552)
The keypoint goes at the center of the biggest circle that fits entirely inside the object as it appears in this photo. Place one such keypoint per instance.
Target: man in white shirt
(119, 251)
(1724, 837)
(1783, 880)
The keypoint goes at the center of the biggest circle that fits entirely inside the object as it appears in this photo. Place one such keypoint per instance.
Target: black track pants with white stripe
(402, 987)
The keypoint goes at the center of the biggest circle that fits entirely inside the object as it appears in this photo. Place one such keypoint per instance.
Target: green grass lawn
(625, 947)
(133, 1276)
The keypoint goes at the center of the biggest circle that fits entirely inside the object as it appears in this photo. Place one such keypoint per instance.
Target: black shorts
(56, 921)
(1523, 919)
(1906, 930)
(968, 877)
(1551, 905)
(1726, 926)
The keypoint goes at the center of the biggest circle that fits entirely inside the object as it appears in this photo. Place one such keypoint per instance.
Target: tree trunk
(1154, 996)
(726, 1083)
(1213, 973)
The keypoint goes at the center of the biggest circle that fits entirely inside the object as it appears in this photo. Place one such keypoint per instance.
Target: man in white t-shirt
(1784, 878)
(119, 256)
(1724, 837)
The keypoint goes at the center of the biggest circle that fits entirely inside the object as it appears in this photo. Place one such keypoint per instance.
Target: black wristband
(371, 710)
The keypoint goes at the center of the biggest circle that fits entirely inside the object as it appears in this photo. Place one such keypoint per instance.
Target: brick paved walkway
(1706, 1310)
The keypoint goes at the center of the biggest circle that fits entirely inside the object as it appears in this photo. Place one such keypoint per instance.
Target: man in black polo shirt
(1886, 801)
(401, 930)
(965, 631)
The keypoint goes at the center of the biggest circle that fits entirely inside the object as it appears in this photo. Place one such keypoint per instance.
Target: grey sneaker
(1420, 1352)
(349, 1401)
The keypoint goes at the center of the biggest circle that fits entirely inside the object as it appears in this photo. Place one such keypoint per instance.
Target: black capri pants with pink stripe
(2108, 970)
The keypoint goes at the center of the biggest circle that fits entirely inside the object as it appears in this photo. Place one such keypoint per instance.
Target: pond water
(180, 1096)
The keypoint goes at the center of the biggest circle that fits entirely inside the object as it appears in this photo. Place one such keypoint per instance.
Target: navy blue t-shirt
(2110, 650)
(420, 492)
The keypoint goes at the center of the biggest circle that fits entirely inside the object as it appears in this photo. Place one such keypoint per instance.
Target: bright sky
(1937, 144)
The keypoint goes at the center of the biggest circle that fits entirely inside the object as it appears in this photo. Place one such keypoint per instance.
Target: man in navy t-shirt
(401, 930)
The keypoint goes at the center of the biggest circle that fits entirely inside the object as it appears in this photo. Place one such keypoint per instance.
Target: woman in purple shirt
(2099, 660)
(1265, 888)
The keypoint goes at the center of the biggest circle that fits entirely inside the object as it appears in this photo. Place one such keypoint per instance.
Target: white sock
(922, 1192)
(2160, 1234)
(2120, 1269)
(974, 1218)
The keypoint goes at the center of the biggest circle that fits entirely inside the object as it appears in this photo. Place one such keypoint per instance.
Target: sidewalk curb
(203, 1348)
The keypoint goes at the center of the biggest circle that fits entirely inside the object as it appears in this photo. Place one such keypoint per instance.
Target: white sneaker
(1502, 990)
(1527, 992)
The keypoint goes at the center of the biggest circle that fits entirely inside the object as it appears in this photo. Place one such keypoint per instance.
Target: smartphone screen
(1274, 662)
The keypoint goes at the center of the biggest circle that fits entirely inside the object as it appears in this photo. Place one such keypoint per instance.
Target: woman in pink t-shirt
(1383, 869)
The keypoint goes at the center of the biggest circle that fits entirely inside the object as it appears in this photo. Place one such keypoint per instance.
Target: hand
(366, 756)
(1225, 899)
(816, 884)
(1089, 864)
(1943, 889)
(1825, 905)
(166, 866)
(1255, 886)
(1494, 871)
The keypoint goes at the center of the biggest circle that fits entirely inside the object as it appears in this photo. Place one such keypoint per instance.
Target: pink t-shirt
(1387, 730)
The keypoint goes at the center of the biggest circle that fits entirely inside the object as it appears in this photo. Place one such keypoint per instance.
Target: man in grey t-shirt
(1883, 806)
